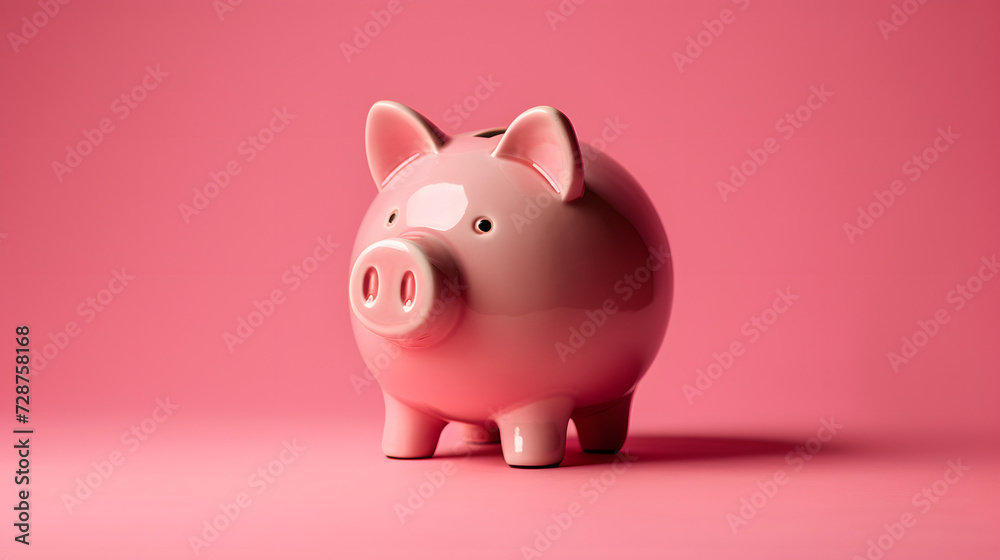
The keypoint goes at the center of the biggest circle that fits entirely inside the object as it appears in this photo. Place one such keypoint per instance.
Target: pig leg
(602, 428)
(409, 433)
(534, 435)
(475, 433)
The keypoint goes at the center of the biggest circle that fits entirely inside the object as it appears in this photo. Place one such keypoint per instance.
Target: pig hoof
(603, 428)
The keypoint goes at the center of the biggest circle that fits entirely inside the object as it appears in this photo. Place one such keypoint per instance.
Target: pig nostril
(407, 290)
(370, 286)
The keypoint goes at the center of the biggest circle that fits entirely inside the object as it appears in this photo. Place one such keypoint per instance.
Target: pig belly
(492, 364)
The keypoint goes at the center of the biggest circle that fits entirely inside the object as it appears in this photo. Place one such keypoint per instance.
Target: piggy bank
(505, 281)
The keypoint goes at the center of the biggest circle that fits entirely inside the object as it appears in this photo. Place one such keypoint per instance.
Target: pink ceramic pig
(501, 280)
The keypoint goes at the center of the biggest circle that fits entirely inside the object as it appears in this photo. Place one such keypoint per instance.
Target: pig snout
(405, 292)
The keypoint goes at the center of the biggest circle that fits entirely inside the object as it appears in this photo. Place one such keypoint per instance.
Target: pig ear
(544, 138)
(395, 135)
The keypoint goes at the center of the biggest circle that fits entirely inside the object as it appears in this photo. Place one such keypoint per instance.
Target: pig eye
(483, 225)
(393, 216)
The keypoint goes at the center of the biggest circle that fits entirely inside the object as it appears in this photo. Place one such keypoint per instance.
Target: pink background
(161, 337)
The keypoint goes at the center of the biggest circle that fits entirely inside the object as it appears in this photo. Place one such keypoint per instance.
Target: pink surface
(262, 100)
